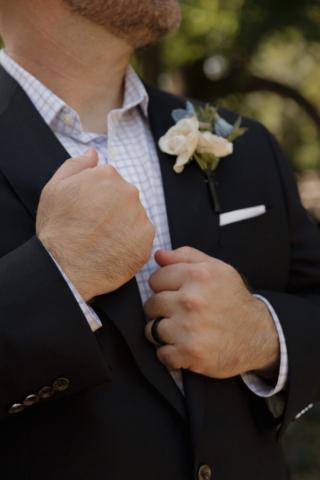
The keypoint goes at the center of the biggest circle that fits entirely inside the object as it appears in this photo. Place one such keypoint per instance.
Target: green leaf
(206, 116)
(213, 115)
(237, 125)
(238, 133)
(236, 128)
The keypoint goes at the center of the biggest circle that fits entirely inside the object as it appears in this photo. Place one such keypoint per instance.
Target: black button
(30, 400)
(46, 392)
(16, 408)
(204, 473)
(61, 384)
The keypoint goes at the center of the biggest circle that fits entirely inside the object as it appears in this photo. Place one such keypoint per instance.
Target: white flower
(181, 140)
(217, 146)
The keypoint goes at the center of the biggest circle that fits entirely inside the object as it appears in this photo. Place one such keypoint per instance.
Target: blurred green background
(260, 58)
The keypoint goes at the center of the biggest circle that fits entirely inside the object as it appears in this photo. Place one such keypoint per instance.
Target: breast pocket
(250, 229)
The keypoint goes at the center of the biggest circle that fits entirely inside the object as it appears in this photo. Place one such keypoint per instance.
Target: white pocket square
(243, 214)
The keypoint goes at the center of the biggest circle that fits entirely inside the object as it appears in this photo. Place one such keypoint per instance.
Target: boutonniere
(201, 134)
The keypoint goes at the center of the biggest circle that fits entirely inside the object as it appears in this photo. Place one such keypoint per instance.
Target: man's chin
(146, 38)
(139, 22)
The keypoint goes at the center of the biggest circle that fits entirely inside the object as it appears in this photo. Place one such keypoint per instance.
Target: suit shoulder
(228, 115)
(171, 102)
(251, 124)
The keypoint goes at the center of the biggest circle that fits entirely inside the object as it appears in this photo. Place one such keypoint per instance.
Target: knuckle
(132, 192)
(199, 273)
(107, 171)
(147, 250)
(151, 232)
(226, 269)
(192, 302)
(146, 257)
(46, 191)
(110, 170)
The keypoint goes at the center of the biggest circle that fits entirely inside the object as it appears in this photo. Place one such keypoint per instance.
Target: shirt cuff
(255, 383)
(91, 316)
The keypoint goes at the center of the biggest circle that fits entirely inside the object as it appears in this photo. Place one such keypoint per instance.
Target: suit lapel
(191, 217)
(30, 155)
(192, 222)
(124, 308)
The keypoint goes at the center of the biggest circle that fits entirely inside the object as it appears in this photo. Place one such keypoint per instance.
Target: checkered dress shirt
(130, 148)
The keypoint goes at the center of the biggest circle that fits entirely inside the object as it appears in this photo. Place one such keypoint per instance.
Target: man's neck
(78, 61)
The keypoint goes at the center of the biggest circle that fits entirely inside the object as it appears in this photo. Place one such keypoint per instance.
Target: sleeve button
(61, 384)
(46, 392)
(16, 408)
(31, 400)
(204, 473)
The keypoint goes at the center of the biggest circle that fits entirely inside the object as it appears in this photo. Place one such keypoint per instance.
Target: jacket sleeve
(298, 308)
(44, 335)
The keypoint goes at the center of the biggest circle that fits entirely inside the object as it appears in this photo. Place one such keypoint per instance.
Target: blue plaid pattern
(130, 148)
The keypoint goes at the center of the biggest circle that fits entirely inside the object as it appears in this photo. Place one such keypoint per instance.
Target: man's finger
(161, 305)
(170, 356)
(73, 166)
(182, 255)
(166, 331)
(170, 278)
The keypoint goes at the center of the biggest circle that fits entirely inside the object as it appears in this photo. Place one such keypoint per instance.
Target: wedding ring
(154, 332)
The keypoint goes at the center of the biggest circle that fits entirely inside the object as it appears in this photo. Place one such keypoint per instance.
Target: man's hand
(92, 222)
(212, 324)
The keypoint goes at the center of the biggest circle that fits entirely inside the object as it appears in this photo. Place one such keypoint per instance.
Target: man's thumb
(76, 165)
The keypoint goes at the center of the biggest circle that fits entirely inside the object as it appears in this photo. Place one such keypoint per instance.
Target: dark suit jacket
(123, 416)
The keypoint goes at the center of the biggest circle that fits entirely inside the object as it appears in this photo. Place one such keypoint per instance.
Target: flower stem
(212, 188)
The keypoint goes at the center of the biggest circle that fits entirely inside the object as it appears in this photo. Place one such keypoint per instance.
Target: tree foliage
(261, 59)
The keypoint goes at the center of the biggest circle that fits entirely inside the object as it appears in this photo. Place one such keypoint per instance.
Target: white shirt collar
(50, 106)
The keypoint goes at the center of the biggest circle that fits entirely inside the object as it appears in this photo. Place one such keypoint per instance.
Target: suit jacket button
(61, 384)
(16, 408)
(46, 392)
(30, 400)
(204, 473)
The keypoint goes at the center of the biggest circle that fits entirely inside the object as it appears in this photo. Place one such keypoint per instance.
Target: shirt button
(61, 384)
(113, 152)
(46, 392)
(204, 473)
(16, 408)
(67, 119)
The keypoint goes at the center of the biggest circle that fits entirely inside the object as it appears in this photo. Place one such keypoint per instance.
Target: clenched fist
(92, 222)
(212, 324)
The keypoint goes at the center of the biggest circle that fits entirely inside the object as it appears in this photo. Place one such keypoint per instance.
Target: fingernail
(88, 152)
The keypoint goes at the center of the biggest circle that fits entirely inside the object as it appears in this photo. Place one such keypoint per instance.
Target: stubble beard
(139, 22)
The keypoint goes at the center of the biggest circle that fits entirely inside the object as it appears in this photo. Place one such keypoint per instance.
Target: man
(92, 392)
